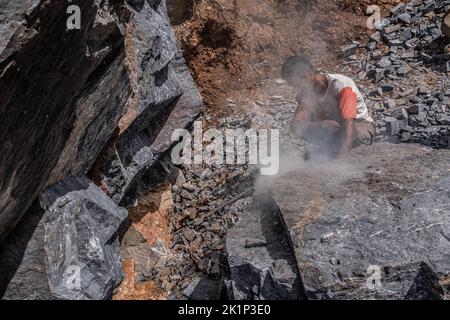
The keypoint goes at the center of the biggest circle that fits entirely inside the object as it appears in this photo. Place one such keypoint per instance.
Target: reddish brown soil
(231, 46)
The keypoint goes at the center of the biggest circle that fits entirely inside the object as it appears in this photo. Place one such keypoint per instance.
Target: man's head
(300, 73)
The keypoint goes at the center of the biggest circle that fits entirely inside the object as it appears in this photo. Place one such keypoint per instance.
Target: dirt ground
(232, 46)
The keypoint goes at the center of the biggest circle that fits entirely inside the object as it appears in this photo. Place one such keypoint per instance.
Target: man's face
(302, 83)
(311, 84)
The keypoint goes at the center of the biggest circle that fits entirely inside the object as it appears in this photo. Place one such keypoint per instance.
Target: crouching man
(331, 111)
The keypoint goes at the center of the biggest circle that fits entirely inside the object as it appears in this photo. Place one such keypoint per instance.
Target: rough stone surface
(115, 100)
(387, 207)
(79, 228)
(166, 98)
(62, 110)
(56, 115)
(261, 260)
(23, 273)
(81, 238)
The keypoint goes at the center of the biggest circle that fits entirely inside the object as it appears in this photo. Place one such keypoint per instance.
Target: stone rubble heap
(407, 61)
(208, 200)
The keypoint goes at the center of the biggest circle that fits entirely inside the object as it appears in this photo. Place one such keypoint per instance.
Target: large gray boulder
(373, 226)
(62, 93)
(110, 93)
(81, 240)
(66, 248)
(120, 79)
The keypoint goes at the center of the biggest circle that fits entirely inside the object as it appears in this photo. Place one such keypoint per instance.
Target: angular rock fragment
(166, 98)
(349, 50)
(81, 240)
(34, 262)
(445, 26)
(394, 126)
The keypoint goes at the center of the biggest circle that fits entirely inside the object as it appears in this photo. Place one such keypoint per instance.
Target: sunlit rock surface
(373, 226)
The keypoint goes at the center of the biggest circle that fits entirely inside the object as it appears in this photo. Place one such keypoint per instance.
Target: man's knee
(364, 134)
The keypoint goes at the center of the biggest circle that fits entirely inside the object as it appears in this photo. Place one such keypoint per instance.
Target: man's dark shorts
(329, 136)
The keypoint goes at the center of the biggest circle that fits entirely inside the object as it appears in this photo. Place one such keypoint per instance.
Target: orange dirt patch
(151, 216)
(130, 290)
(231, 46)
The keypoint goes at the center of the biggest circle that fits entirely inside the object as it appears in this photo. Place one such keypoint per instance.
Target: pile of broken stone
(210, 199)
(407, 61)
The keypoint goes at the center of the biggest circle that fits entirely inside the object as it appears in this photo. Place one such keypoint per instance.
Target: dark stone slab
(22, 259)
(384, 211)
(56, 115)
(261, 260)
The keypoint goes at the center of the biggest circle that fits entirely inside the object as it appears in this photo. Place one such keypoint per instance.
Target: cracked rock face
(373, 227)
(112, 93)
(124, 76)
(165, 98)
(57, 110)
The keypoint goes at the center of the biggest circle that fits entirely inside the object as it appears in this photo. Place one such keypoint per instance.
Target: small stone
(189, 187)
(394, 126)
(189, 234)
(255, 243)
(392, 29)
(191, 213)
(400, 114)
(405, 18)
(376, 36)
(426, 57)
(349, 50)
(398, 9)
(381, 24)
(446, 24)
(384, 62)
(406, 93)
(371, 46)
(402, 71)
(406, 35)
(376, 93)
(390, 104)
(422, 91)
(187, 195)
(406, 136)
(395, 43)
(408, 55)
(387, 87)
(417, 109)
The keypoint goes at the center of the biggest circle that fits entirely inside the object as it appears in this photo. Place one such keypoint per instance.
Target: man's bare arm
(347, 136)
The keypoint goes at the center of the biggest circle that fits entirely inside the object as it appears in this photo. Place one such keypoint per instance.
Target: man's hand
(330, 125)
(347, 137)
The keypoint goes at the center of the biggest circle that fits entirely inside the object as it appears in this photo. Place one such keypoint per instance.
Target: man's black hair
(299, 65)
